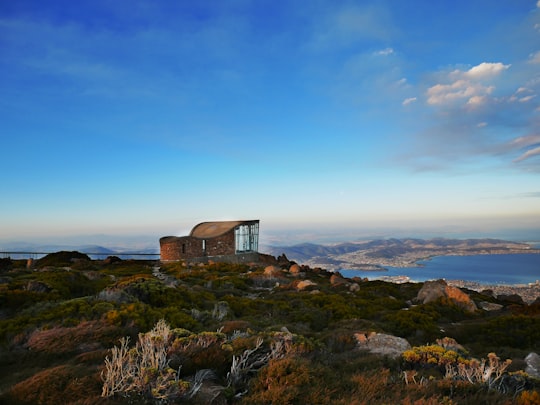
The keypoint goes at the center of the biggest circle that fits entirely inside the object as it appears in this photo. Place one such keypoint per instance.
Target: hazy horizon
(286, 236)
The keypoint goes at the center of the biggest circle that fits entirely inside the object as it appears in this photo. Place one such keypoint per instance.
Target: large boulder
(295, 269)
(337, 280)
(533, 364)
(37, 286)
(381, 343)
(111, 260)
(490, 306)
(511, 298)
(433, 290)
(305, 284)
(272, 271)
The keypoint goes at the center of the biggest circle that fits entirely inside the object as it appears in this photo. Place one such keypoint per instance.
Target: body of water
(484, 269)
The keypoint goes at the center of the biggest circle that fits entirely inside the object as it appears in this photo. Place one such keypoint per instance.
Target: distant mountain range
(380, 252)
(392, 252)
(95, 251)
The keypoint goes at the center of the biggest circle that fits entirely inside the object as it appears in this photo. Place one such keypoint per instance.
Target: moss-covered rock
(62, 259)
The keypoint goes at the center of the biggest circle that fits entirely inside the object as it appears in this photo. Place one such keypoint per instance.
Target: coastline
(368, 260)
(502, 276)
(529, 292)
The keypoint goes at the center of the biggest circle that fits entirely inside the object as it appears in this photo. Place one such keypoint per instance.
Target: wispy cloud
(532, 194)
(385, 52)
(534, 58)
(349, 24)
(409, 100)
(524, 141)
(529, 154)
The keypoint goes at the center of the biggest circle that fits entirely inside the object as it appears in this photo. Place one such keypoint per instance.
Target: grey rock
(37, 286)
(381, 343)
(490, 306)
(533, 364)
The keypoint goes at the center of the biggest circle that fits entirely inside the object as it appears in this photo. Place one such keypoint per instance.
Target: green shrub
(516, 331)
(413, 325)
(61, 259)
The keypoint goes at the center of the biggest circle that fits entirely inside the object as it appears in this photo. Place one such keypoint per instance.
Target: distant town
(376, 254)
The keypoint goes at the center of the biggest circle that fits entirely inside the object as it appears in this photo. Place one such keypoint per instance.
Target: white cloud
(409, 100)
(460, 90)
(481, 124)
(466, 87)
(385, 52)
(402, 82)
(538, 4)
(485, 70)
(476, 101)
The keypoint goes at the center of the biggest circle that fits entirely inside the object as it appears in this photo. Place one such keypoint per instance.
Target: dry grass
(86, 336)
(63, 384)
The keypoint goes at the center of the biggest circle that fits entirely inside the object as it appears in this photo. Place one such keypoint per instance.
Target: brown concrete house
(231, 241)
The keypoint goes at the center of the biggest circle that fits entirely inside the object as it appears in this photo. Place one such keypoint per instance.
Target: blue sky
(147, 117)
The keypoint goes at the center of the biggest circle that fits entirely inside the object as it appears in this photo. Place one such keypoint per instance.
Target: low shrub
(61, 259)
(63, 384)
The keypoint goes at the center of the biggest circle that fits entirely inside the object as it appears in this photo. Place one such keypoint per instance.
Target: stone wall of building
(221, 245)
(174, 248)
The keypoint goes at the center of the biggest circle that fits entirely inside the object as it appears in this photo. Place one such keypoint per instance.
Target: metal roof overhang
(208, 230)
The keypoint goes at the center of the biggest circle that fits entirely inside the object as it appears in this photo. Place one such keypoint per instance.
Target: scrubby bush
(144, 370)
(61, 321)
(282, 382)
(414, 325)
(5, 264)
(517, 331)
(486, 371)
(61, 259)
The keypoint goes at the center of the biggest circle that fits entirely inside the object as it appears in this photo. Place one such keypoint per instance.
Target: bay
(507, 269)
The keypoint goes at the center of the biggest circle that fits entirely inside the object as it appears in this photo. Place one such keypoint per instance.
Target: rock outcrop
(337, 280)
(433, 290)
(381, 343)
(511, 298)
(490, 306)
(37, 286)
(272, 271)
(305, 284)
(295, 269)
(533, 364)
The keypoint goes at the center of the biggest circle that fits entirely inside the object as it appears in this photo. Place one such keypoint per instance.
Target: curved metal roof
(207, 230)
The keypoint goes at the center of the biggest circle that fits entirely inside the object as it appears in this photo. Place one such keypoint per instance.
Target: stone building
(229, 241)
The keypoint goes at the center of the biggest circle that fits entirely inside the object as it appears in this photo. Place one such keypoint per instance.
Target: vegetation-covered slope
(222, 333)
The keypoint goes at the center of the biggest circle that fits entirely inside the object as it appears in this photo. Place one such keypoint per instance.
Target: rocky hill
(81, 331)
